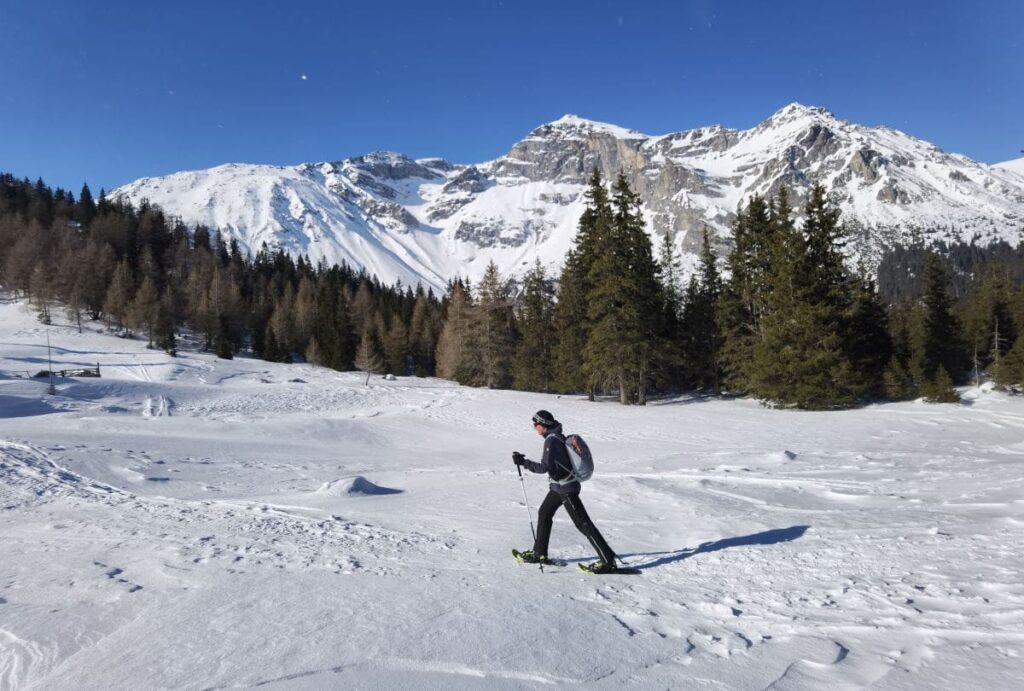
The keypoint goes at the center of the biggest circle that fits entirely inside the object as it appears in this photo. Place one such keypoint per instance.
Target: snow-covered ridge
(1014, 166)
(430, 220)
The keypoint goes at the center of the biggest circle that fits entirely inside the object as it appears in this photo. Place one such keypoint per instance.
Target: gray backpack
(580, 457)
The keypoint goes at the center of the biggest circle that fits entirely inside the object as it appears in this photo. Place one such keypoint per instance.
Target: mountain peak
(570, 122)
(796, 111)
(428, 220)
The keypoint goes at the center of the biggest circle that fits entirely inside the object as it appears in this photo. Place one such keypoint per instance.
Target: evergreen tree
(700, 324)
(167, 316)
(332, 328)
(532, 369)
(1010, 372)
(898, 383)
(942, 344)
(798, 357)
(572, 318)
(671, 353)
(866, 340)
(570, 329)
(271, 350)
(939, 389)
(671, 274)
(744, 295)
(624, 303)
(222, 342)
(86, 206)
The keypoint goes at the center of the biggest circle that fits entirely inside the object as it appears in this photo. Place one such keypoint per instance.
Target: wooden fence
(45, 374)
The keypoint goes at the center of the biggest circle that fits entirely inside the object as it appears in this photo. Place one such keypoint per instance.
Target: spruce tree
(86, 206)
(744, 295)
(939, 389)
(798, 357)
(572, 319)
(271, 350)
(942, 344)
(624, 303)
(897, 381)
(167, 316)
(701, 328)
(866, 340)
(570, 328)
(222, 342)
(532, 367)
(1010, 373)
(671, 353)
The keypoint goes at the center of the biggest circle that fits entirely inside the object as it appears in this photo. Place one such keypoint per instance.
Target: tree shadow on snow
(768, 537)
(20, 406)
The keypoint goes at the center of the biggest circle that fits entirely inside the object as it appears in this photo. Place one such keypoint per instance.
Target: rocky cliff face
(430, 220)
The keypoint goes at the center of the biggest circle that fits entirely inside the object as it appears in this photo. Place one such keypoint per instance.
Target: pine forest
(780, 317)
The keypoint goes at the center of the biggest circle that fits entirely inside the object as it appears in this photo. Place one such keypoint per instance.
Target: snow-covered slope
(431, 220)
(200, 523)
(1014, 166)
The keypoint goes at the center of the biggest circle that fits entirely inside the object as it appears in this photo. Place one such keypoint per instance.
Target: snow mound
(780, 456)
(356, 486)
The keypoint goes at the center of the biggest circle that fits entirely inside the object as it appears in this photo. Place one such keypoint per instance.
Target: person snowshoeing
(564, 490)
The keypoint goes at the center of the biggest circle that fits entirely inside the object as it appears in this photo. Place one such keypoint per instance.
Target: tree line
(142, 273)
(782, 317)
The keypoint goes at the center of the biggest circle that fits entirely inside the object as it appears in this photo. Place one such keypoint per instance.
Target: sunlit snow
(199, 523)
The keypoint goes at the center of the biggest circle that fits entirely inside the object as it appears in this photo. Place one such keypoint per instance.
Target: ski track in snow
(183, 523)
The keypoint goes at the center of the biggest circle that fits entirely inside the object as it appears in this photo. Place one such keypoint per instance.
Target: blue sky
(110, 92)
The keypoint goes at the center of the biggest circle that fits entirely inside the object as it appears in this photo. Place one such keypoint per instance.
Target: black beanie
(543, 417)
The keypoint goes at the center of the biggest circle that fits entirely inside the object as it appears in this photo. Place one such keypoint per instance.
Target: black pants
(578, 513)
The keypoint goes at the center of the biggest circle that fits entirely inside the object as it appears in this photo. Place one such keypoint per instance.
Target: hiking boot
(531, 557)
(600, 567)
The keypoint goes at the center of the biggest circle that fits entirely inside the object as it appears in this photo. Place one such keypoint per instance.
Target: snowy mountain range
(429, 220)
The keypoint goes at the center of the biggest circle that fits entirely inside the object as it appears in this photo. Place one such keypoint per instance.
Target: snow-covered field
(199, 523)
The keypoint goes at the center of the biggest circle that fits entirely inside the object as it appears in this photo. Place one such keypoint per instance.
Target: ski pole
(529, 511)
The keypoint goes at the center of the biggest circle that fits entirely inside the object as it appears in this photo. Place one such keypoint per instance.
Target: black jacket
(555, 462)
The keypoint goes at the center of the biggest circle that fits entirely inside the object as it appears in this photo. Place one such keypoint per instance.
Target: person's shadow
(768, 537)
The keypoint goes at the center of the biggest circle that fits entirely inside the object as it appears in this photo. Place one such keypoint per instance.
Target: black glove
(518, 458)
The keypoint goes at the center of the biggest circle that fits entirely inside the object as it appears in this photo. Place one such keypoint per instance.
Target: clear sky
(112, 91)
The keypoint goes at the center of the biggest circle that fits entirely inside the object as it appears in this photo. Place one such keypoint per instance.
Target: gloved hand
(518, 458)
